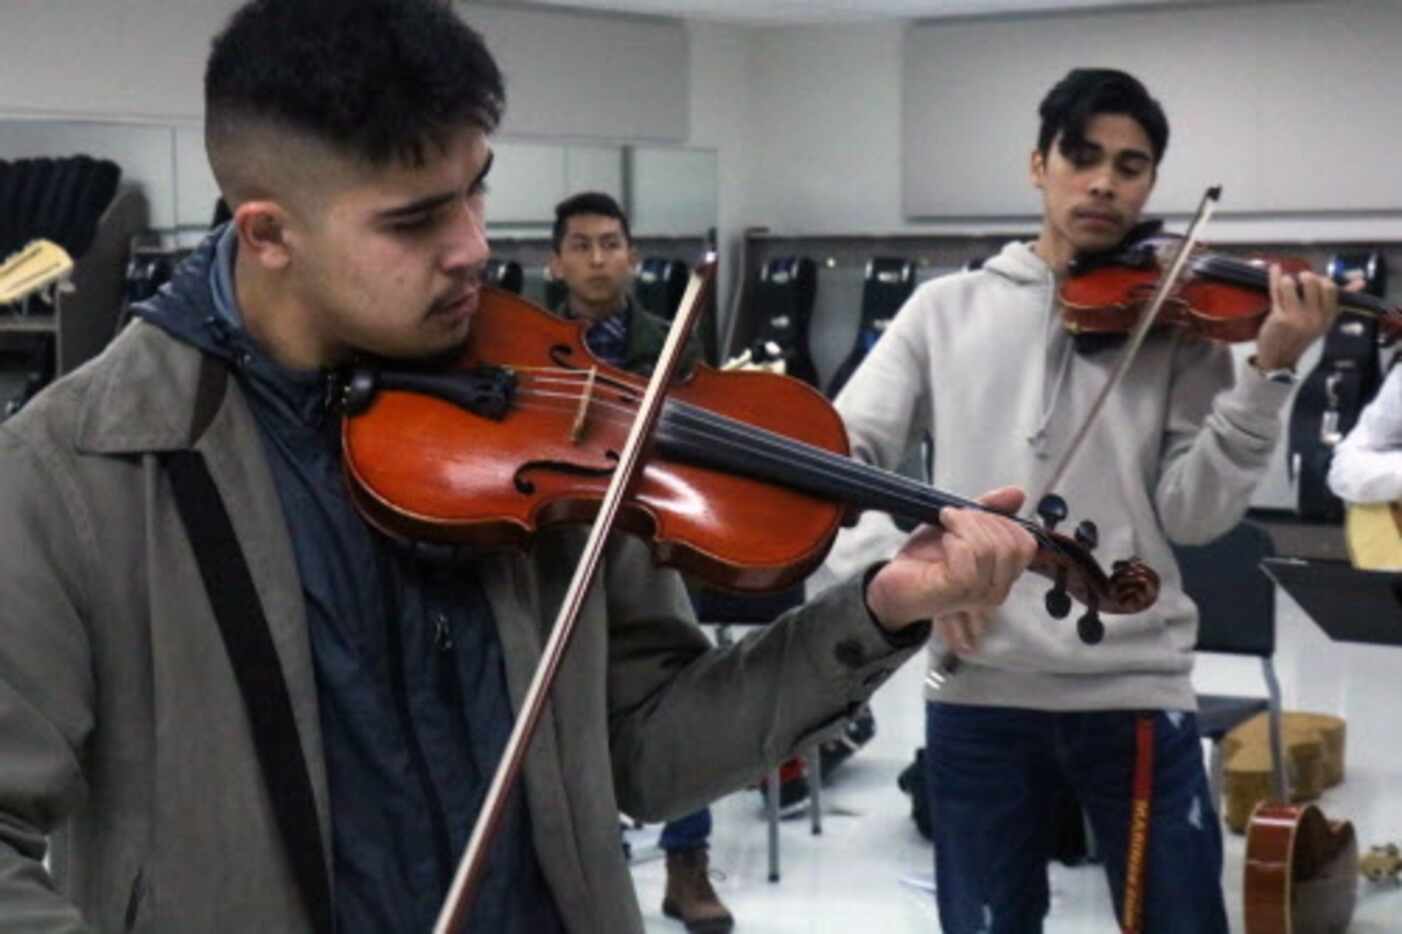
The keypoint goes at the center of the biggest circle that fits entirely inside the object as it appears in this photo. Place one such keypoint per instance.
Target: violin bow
(1167, 283)
(469, 872)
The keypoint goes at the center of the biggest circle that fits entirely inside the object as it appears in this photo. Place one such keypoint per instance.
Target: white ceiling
(790, 12)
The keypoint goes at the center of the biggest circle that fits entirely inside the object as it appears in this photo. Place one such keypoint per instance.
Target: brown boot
(690, 898)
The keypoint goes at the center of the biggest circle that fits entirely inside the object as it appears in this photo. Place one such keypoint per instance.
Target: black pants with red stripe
(991, 783)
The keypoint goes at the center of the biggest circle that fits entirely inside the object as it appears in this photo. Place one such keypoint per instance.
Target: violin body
(1301, 874)
(1110, 299)
(745, 483)
(425, 469)
(1220, 298)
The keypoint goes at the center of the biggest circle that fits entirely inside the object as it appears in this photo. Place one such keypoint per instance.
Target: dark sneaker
(793, 786)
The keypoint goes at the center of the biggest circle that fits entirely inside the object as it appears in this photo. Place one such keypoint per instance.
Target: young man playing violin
(234, 704)
(981, 361)
(592, 253)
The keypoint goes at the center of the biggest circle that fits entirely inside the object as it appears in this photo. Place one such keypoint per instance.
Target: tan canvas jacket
(123, 733)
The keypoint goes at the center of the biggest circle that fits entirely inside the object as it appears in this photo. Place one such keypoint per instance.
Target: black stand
(1348, 604)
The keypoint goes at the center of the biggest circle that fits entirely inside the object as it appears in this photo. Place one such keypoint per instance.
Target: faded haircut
(375, 80)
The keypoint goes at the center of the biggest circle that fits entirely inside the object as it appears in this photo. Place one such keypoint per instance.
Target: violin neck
(694, 435)
(1253, 276)
(1369, 305)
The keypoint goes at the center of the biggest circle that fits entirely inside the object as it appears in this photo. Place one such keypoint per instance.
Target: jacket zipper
(439, 816)
(138, 891)
(448, 682)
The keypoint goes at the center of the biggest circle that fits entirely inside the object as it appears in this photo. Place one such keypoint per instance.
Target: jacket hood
(184, 307)
(198, 307)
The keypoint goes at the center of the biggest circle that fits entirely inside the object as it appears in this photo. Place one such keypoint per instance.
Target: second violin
(1221, 298)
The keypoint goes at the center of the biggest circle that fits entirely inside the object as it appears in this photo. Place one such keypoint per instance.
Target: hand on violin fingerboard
(1303, 306)
(956, 571)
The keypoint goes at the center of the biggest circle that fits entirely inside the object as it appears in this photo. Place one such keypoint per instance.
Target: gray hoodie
(980, 360)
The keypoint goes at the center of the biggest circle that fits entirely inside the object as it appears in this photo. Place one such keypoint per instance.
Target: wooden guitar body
(1373, 532)
(1301, 871)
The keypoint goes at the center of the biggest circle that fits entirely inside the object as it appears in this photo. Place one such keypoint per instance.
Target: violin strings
(709, 426)
(914, 498)
(705, 426)
(1242, 272)
(784, 453)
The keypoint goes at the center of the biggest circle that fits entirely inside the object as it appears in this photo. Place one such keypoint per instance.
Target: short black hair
(1089, 92)
(377, 79)
(586, 202)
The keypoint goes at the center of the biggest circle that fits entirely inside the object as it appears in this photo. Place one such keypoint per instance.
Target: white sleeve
(1367, 465)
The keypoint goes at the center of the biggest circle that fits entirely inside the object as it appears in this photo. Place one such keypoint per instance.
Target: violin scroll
(1131, 587)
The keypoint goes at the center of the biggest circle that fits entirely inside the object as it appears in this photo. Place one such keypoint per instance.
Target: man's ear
(1037, 168)
(262, 230)
(556, 271)
(633, 258)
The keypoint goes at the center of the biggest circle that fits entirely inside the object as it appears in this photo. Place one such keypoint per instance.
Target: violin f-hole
(527, 488)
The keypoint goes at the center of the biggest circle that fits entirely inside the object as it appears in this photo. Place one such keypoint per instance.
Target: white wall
(825, 107)
(587, 75)
(823, 115)
(720, 87)
(806, 120)
(133, 60)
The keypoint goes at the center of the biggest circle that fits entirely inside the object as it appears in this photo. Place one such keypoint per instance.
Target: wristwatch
(1284, 375)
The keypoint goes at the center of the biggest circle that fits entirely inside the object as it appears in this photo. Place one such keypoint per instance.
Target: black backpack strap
(249, 643)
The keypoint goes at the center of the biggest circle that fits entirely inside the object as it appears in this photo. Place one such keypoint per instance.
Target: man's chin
(432, 354)
(604, 298)
(1098, 242)
(428, 345)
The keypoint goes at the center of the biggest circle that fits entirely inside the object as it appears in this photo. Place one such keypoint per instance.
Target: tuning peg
(1090, 628)
(1087, 535)
(358, 390)
(1052, 509)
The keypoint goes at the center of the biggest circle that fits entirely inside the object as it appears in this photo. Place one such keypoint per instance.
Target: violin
(1220, 298)
(746, 483)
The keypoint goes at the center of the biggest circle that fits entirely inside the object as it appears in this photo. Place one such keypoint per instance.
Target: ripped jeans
(992, 805)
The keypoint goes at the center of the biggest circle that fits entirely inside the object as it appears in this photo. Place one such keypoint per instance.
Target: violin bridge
(577, 430)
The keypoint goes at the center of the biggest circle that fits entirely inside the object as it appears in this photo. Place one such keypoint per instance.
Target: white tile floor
(857, 876)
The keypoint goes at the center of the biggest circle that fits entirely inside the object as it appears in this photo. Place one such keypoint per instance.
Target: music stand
(1348, 604)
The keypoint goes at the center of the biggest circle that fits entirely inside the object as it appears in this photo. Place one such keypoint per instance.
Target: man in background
(594, 257)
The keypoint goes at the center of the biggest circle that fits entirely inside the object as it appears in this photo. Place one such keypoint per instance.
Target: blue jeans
(687, 833)
(990, 800)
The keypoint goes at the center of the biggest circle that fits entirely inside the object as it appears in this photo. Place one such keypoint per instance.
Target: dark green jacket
(647, 333)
